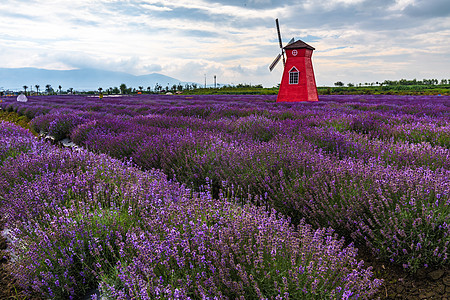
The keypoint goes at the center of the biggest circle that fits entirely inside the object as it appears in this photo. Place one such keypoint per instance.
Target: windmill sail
(291, 41)
(279, 40)
(274, 63)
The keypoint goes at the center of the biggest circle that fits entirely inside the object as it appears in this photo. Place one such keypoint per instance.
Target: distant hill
(79, 80)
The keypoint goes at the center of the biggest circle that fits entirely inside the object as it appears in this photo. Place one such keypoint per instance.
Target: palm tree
(48, 88)
(123, 88)
(60, 87)
(25, 88)
(37, 88)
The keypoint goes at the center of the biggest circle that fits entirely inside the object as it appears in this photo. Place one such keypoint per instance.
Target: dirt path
(399, 284)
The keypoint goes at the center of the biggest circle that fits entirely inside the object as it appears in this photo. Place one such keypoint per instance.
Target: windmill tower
(298, 82)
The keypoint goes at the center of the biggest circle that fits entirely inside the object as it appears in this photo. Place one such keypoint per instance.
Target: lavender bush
(404, 215)
(13, 140)
(60, 124)
(79, 220)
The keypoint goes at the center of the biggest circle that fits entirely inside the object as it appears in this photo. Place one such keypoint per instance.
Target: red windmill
(298, 82)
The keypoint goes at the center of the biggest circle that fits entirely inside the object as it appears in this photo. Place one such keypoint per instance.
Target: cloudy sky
(355, 40)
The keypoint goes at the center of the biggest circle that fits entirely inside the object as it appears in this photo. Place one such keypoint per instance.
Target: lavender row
(120, 136)
(79, 220)
(386, 152)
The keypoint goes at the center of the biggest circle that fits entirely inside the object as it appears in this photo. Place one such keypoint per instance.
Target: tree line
(397, 82)
(124, 89)
(410, 86)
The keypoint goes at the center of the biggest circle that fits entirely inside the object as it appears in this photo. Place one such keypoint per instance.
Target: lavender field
(224, 196)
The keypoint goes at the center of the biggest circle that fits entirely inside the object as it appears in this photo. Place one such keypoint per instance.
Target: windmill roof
(299, 45)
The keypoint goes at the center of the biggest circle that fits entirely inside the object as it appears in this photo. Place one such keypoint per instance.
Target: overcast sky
(355, 40)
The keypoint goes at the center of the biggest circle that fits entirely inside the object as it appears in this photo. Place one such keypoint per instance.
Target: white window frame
(294, 76)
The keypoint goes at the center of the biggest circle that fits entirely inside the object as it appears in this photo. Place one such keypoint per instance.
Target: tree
(100, 89)
(60, 87)
(123, 88)
(350, 85)
(37, 88)
(140, 88)
(25, 88)
(48, 88)
(158, 87)
(339, 83)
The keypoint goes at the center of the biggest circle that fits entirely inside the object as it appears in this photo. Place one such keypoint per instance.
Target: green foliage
(240, 89)
(394, 89)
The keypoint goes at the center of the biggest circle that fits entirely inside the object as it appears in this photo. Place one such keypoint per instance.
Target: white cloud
(155, 7)
(355, 39)
(401, 4)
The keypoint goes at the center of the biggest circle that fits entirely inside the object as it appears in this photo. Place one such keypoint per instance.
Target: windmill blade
(279, 40)
(279, 34)
(291, 41)
(274, 63)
